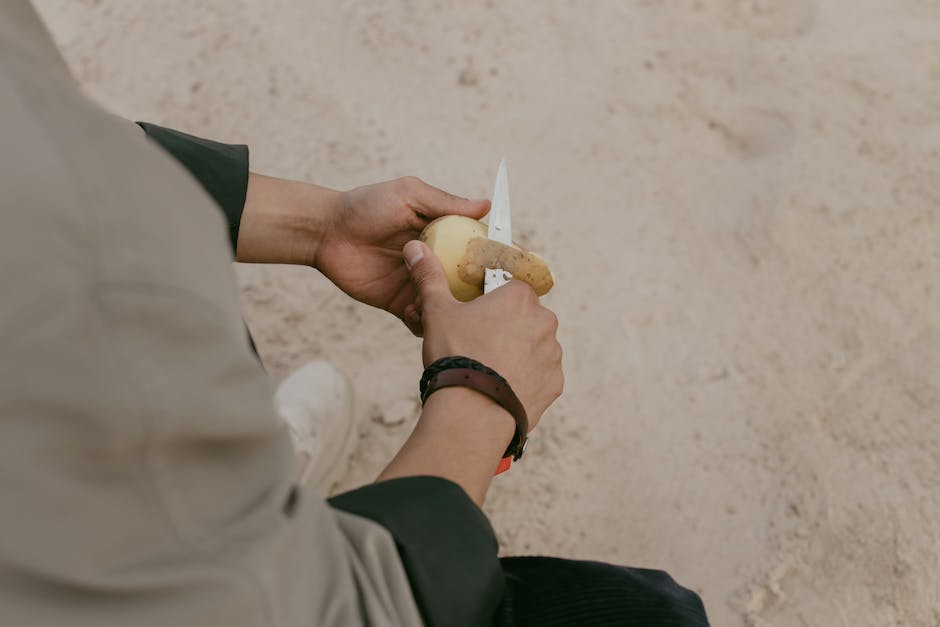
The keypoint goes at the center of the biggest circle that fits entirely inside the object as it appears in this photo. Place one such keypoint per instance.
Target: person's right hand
(508, 330)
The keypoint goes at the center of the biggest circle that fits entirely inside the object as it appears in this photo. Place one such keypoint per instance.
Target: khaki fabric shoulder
(145, 475)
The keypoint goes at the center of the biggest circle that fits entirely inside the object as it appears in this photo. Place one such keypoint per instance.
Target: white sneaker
(317, 403)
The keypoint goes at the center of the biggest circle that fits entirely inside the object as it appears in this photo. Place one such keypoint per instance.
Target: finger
(412, 319)
(558, 386)
(411, 316)
(427, 274)
(416, 330)
(412, 312)
(522, 290)
(552, 321)
(434, 203)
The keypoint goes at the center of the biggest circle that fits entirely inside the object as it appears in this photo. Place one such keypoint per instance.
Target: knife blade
(500, 226)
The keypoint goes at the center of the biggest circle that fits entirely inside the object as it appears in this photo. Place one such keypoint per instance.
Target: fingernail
(413, 253)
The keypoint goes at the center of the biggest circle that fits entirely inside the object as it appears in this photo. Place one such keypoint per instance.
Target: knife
(500, 230)
(500, 227)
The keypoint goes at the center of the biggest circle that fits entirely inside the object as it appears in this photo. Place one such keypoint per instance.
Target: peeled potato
(465, 252)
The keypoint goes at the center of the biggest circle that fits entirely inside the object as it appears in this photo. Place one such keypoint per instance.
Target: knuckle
(419, 277)
(410, 183)
(520, 288)
(431, 308)
(510, 289)
(552, 319)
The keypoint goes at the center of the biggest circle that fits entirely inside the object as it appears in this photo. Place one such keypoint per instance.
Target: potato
(462, 245)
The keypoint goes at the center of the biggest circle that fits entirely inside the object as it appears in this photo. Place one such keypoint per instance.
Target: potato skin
(465, 252)
(448, 237)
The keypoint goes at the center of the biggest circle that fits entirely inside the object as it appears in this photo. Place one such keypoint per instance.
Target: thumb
(426, 272)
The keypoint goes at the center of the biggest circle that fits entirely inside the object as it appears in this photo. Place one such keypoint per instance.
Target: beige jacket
(145, 477)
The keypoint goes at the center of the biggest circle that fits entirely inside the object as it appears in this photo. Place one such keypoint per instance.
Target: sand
(740, 201)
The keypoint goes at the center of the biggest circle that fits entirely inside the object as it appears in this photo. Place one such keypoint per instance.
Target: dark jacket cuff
(221, 169)
(446, 544)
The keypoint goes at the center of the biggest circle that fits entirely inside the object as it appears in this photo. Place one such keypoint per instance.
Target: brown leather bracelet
(493, 386)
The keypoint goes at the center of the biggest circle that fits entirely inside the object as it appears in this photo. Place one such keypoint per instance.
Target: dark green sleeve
(446, 544)
(221, 169)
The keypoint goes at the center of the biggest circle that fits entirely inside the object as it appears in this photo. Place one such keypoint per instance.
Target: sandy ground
(740, 200)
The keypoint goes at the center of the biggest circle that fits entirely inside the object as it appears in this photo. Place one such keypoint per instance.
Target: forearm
(283, 221)
(270, 220)
(461, 436)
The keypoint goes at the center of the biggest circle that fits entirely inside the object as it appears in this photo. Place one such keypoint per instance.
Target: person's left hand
(360, 248)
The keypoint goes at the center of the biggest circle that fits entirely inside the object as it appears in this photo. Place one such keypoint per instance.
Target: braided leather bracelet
(466, 372)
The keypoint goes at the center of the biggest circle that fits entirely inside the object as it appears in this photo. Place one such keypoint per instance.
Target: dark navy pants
(552, 592)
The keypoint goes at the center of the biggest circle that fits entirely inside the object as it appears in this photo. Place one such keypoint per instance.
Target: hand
(360, 249)
(354, 238)
(508, 330)
(461, 433)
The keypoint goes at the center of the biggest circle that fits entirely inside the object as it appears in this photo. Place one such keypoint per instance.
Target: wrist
(461, 371)
(284, 221)
(460, 436)
(469, 418)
